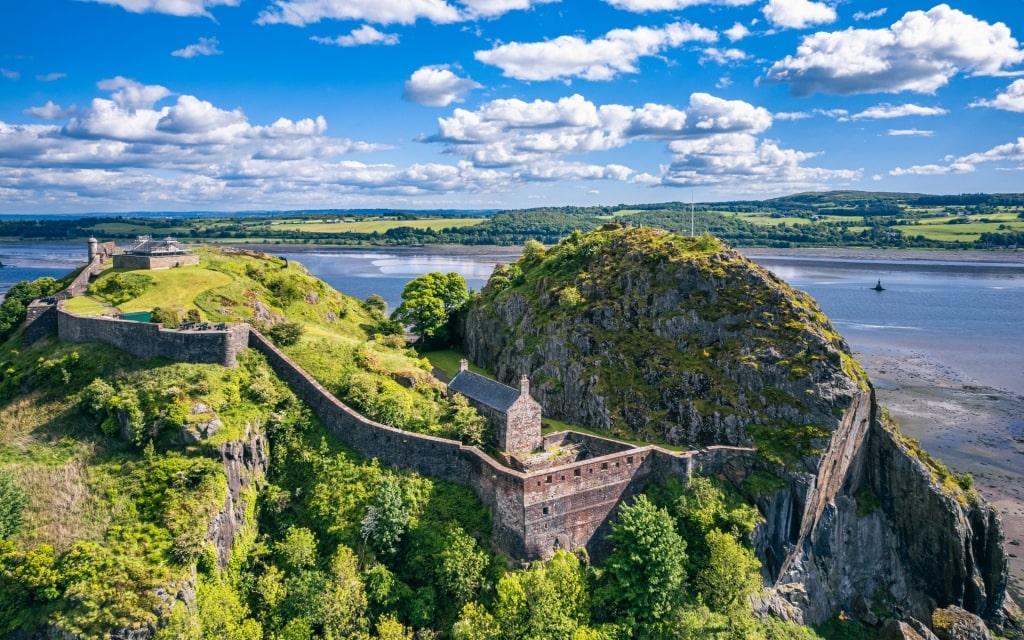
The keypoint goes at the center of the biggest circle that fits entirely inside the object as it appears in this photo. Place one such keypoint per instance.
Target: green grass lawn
(84, 306)
(173, 287)
(447, 360)
(380, 226)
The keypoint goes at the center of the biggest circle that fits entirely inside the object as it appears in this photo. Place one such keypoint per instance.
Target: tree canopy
(428, 303)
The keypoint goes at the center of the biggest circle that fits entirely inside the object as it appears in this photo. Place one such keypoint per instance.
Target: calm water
(967, 315)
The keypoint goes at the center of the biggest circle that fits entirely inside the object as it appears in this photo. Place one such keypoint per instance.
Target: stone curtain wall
(128, 261)
(147, 340)
(40, 321)
(499, 488)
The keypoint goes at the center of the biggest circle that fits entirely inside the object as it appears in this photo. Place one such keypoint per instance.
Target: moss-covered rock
(681, 340)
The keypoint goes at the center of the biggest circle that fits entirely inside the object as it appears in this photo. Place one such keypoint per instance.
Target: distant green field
(767, 221)
(125, 228)
(380, 226)
(939, 228)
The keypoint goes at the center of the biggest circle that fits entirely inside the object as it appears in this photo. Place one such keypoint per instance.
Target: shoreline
(816, 253)
(972, 429)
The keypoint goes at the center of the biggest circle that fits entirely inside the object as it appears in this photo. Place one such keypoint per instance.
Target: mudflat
(972, 428)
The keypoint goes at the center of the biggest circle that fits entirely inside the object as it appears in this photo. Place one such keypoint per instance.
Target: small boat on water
(878, 287)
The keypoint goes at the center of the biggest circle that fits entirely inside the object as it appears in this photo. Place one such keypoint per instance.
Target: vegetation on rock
(671, 339)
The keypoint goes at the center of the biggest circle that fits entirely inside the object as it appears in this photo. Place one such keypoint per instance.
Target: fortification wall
(129, 261)
(498, 487)
(40, 321)
(81, 281)
(146, 340)
(572, 506)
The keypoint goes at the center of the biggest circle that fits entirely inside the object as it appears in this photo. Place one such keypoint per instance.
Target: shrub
(285, 334)
(167, 317)
(122, 287)
(12, 502)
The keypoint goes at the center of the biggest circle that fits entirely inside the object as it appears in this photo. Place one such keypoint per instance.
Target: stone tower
(94, 248)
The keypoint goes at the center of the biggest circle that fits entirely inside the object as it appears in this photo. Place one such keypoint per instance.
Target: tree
(462, 565)
(376, 305)
(387, 518)
(469, 425)
(731, 575)
(428, 303)
(298, 549)
(644, 576)
(167, 317)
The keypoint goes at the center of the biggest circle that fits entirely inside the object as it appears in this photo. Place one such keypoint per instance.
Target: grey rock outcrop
(953, 623)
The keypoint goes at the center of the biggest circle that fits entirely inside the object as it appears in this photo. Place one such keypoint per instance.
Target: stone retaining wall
(147, 340)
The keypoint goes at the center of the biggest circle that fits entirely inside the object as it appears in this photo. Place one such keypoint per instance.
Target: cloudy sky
(129, 105)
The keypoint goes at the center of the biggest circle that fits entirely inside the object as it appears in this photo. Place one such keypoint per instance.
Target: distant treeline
(865, 219)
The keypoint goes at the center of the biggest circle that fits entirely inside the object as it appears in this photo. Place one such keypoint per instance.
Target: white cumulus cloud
(798, 14)
(48, 111)
(302, 12)
(911, 132)
(362, 36)
(920, 52)
(181, 8)
(887, 111)
(603, 58)
(868, 15)
(494, 8)
(205, 47)
(643, 6)
(1010, 100)
(437, 86)
(1005, 153)
(736, 32)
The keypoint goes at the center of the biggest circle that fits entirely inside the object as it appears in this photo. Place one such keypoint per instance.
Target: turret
(94, 248)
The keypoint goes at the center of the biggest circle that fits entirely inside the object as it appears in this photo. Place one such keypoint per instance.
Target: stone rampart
(130, 261)
(40, 320)
(147, 340)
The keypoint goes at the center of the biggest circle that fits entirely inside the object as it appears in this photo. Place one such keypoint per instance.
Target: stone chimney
(524, 385)
(463, 365)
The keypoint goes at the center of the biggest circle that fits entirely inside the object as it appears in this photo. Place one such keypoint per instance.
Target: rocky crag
(648, 334)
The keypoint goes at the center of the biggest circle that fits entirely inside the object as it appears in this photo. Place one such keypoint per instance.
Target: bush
(12, 502)
(167, 317)
(122, 287)
(285, 334)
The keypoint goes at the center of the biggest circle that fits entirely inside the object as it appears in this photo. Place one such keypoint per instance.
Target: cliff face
(648, 334)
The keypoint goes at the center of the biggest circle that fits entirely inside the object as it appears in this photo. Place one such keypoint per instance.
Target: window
(545, 511)
(576, 473)
(548, 480)
(629, 459)
(604, 466)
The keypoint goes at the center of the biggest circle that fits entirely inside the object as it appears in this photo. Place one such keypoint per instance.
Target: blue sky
(129, 105)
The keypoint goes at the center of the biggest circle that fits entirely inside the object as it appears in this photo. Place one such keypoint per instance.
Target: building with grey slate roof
(512, 413)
